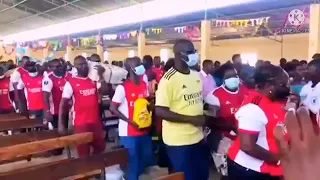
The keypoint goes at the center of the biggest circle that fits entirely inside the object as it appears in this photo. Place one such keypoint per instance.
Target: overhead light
(147, 11)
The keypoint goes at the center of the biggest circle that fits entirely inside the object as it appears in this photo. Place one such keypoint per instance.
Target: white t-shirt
(310, 97)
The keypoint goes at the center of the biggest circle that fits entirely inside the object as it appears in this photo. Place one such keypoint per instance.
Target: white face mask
(33, 74)
(192, 60)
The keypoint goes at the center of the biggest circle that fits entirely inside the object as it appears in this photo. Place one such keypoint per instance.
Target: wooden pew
(36, 147)
(175, 176)
(20, 124)
(29, 137)
(12, 117)
(69, 168)
(26, 138)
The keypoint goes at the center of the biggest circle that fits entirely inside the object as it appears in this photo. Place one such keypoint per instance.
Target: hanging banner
(275, 22)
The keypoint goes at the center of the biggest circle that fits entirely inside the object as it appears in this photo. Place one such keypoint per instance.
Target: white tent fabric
(112, 74)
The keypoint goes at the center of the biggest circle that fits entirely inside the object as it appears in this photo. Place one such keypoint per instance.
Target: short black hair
(235, 56)
(178, 43)
(216, 63)
(95, 56)
(267, 75)
(283, 60)
(54, 61)
(223, 68)
(316, 63)
(303, 62)
(206, 62)
(316, 56)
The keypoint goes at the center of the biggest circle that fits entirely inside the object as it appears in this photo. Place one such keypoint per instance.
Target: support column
(100, 52)
(205, 39)
(314, 28)
(141, 44)
(69, 54)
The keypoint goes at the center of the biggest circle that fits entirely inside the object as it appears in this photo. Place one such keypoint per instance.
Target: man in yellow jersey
(179, 102)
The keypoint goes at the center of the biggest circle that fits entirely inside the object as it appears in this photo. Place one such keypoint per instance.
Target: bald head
(183, 46)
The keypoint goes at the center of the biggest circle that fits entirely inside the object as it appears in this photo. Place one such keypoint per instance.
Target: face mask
(193, 59)
(232, 83)
(33, 74)
(281, 93)
(94, 63)
(296, 89)
(139, 70)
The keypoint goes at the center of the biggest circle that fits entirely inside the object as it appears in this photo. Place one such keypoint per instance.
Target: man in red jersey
(87, 115)
(6, 93)
(30, 92)
(52, 87)
(17, 75)
(225, 100)
(138, 141)
(157, 69)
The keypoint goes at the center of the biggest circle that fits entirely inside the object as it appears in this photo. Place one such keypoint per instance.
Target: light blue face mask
(33, 74)
(192, 60)
(139, 70)
(232, 83)
(296, 89)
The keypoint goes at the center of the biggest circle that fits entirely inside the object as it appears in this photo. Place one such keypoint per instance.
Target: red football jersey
(85, 100)
(5, 88)
(54, 85)
(33, 91)
(126, 95)
(229, 103)
(159, 73)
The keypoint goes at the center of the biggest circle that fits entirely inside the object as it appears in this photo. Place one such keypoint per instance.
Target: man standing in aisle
(157, 69)
(52, 86)
(87, 116)
(179, 102)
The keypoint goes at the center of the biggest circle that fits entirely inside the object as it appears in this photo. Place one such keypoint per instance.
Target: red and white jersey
(310, 97)
(229, 102)
(159, 73)
(126, 95)
(18, 74)
(84, 93)
(33, 91)
(5, 88)
(54, 85)
(257, 115)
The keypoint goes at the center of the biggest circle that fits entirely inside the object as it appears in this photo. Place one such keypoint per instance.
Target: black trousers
(237, 172)
(55, 119)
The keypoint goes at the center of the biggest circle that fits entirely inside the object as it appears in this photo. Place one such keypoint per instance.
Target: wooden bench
(175, 176)
(70, 168)
(20, 124)
(39, 146)
(12, 117)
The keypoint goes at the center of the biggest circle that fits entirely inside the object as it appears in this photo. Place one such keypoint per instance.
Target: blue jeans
(140, 154)
(192, 160)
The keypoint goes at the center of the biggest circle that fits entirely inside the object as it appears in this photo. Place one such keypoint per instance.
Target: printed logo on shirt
(314, 100)
(34, 90)
(133, 95)
(228, 102)
(88, 92)
(193, 98)
(198, 81)
(275, 116)
(78, 85)
(3, 91)
(184, 86)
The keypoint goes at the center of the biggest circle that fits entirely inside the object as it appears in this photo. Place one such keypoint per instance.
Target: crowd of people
(232, 114)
